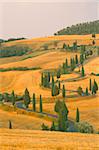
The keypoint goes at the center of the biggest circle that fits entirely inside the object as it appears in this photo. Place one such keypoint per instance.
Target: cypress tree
(48, 76)
(41, 109)
(77, 115)
(26, 98)
(96, 85)
(10, 124)
(53, 91)
(76, 59)
(66, 63)
(81, 59)
(13, 98)
(86, 91)
(34, 102)
(90, 85)
(63, 91)
(83, 72)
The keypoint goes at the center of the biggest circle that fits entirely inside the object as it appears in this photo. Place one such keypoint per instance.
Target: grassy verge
(18, 69)
(10, 108)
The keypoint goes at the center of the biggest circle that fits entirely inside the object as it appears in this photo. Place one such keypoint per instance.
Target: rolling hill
(81, 29)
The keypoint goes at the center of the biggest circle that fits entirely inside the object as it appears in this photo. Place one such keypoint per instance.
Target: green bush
(44, 127)
(84, 127)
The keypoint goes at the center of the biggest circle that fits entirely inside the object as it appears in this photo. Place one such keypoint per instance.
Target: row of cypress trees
(27, 101)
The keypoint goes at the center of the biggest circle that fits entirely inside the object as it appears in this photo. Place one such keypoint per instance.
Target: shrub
(44, 127)
(84, 127)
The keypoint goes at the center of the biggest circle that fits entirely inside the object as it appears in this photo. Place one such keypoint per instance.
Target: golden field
(46, 140)
(19, 139)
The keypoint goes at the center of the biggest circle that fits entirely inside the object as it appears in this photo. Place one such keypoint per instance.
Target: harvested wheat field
(69, 39)
(21, 121)
(45, 140)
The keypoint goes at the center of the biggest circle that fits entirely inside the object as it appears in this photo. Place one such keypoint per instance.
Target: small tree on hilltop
(26, 98)
(41, 109)
(77, 115)
(13, 98)
(34, 102)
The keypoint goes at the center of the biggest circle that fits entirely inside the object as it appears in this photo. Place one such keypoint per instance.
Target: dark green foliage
(76, 59)
(61, 109)
(66, 63)
(90, 85)
(80, 91)
(56, 90)
(18, 69)
(81, 59)
(63, 91)
(13, 98)
(87, 92)
(59, 86)
(53, 85)
(45, 79)
(64, 46)
(1, 97)
(94, 87)
(93, 42)
(72, 62)
(84, 127)
(26, 98)
(10, 124)
(53, 128)
(75, 45)
(58, 73)
(77, 115)
(7, 97)
(93, 35)
(82, 28)
(44, 127)
(34, 102)
(41, 108)
(14, 51)
(83, 72)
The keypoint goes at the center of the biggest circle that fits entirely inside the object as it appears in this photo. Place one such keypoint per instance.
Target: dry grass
(44, 140)
(21, 121)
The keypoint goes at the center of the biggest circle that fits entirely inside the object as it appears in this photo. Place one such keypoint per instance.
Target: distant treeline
(82, 29)
(11, 39)
(14, 51)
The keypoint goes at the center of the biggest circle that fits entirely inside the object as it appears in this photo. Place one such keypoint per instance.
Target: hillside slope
(82, 29)
(46, 140)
